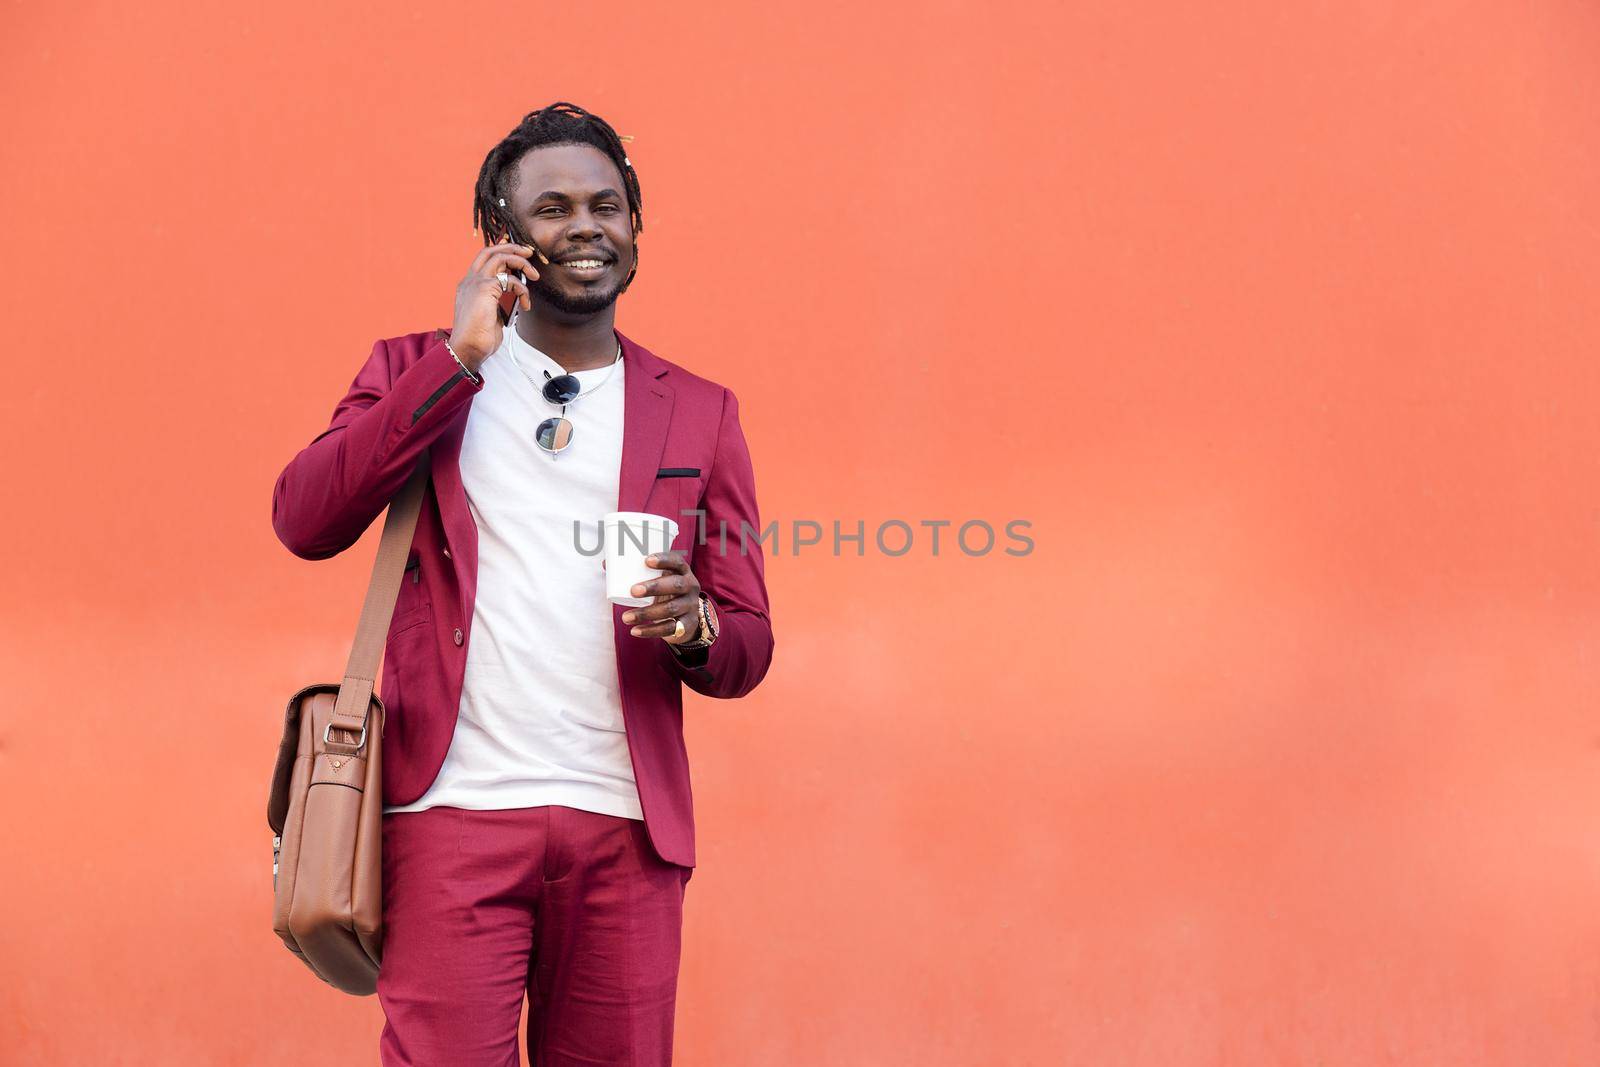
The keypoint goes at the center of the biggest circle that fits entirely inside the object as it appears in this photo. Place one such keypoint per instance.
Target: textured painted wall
(1273, 320)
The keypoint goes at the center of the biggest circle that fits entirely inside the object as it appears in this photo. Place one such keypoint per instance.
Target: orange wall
(1273, 319)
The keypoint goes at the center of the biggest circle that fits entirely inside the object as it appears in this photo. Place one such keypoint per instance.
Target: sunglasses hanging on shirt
(555, 433)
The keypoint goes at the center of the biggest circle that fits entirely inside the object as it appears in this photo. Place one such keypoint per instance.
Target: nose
(584, 227)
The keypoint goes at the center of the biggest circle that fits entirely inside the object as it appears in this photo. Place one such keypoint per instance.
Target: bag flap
(288, 749)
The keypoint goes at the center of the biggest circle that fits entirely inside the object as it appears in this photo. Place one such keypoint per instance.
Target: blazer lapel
(647, 412)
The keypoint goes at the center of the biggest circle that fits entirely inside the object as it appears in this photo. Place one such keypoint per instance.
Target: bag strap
(388, 571)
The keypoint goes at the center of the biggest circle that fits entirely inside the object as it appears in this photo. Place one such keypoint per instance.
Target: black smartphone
(509, 301)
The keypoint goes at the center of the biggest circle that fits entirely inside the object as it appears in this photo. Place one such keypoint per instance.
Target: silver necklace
(555, 434)
(538, 388)
(511, 350)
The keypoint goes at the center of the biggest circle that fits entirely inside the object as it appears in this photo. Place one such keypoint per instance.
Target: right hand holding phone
(477, 329)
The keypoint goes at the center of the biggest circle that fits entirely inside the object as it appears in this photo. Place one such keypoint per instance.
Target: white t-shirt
(541, 712)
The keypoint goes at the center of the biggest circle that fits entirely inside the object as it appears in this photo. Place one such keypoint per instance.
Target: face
(570, 200)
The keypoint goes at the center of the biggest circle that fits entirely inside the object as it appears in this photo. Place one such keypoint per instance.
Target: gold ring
(678, 629)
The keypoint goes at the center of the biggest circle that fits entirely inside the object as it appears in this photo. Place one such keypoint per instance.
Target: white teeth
(583, 263)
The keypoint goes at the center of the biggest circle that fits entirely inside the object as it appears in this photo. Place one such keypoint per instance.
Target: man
(538, 828)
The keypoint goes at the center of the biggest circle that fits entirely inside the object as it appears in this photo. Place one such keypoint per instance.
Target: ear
(631, 270)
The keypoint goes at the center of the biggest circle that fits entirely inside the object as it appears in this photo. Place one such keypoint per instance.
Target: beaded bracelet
(475, 379)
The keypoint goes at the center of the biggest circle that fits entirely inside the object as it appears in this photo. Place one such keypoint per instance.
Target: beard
(587, 301)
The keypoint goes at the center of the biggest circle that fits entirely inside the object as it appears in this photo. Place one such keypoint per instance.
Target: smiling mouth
(586, 268)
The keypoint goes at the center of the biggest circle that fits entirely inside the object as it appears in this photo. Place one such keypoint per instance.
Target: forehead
(577, 170)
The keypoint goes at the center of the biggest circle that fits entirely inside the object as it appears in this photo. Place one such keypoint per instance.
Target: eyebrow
(551, 194)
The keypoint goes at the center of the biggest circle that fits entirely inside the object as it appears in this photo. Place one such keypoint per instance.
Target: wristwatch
(708, 626)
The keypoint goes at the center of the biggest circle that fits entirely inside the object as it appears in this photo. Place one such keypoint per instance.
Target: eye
(607, 207)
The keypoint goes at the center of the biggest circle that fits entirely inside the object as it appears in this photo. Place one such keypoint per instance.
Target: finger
(488, 250)
(662, 629)
(671, 560)
(516, 257)
(514, 260)
(668, 609)
(534, 249)
(671, 585)
(514, 287)
(498, 258)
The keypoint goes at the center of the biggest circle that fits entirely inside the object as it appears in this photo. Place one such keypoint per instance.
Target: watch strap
(708, 626)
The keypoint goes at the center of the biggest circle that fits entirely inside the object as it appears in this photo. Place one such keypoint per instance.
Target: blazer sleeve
(735, 580)
(332, 490)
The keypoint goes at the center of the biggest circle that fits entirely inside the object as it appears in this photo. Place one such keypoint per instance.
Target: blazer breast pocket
(676, 490)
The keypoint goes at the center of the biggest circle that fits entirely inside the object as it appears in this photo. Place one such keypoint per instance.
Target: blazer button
(458, 635)
(446, 551)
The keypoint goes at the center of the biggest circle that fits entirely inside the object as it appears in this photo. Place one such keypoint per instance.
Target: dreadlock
(558, 123)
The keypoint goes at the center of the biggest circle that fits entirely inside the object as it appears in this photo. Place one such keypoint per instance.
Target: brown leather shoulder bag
(325, 806)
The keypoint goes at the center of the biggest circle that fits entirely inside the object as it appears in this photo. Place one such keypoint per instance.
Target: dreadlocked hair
(558, 123)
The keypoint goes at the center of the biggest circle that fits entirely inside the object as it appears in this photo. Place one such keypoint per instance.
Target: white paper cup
(630, 536)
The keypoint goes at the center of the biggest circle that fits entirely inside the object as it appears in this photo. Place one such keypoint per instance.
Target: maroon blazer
(682, 448)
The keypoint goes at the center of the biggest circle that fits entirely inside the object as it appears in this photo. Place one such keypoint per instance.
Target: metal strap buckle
(343, 729)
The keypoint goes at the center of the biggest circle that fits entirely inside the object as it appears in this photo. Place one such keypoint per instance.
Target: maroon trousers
(571, 907)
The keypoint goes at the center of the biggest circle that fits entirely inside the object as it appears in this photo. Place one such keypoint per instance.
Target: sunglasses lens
(562, 390)
(554, 434)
